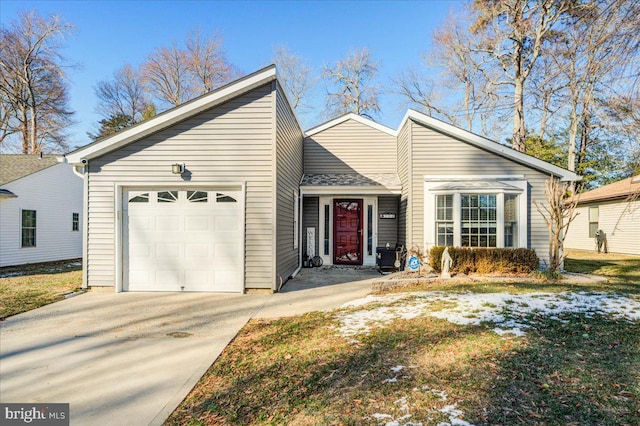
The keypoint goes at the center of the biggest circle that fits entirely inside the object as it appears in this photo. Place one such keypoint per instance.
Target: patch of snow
(507, 311)
(454, 416)
(394, 380)
(379, 416)
(397, 368)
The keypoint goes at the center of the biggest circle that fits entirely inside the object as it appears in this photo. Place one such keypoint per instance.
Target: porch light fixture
(177, 168)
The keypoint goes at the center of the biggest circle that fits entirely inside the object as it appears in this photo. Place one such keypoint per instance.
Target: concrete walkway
(130, 358)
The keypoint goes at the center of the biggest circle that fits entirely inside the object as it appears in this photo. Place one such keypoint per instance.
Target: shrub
(486, 260)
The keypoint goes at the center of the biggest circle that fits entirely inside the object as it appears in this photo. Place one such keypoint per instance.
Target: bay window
(476, 213)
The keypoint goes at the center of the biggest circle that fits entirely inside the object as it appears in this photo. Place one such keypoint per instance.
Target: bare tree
(167, 73)
(351, 85)
(206, 62)
(512, 34)
(124, 95)
(297, 77)
(461, 73)
(598, 42)
(34, 91)
(558, 212)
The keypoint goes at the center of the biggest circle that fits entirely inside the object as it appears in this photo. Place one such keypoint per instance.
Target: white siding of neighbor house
(232, 142)
(619, 219)
(436, 154)
(350, 147)
(288, 175)
(55, 193)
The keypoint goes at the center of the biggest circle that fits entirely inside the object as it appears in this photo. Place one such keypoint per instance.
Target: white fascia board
(171, 116)
(489, 145)
(348, 190)
(350, 116)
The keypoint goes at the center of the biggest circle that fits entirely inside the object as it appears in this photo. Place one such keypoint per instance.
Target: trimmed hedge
(487, 260)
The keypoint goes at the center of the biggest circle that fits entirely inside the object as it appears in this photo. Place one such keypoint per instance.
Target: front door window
(347, 232)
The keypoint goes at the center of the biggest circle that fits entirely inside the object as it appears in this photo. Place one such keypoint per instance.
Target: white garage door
(183, 240)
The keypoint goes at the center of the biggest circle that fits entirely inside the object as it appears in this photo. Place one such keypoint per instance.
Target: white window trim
(431, 182)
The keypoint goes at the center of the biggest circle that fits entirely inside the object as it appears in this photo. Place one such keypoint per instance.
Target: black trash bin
(386, 258)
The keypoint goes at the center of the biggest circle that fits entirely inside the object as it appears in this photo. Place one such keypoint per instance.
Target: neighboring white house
(614, 209)
(227, 193)
(40, 210)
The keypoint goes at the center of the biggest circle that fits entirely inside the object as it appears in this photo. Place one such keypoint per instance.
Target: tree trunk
(519, 130)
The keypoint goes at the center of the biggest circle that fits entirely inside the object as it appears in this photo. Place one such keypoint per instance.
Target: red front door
(347, 232)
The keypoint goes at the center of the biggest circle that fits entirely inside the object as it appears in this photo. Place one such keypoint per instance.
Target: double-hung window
(594, 220)
(28, 226)
(444, 220)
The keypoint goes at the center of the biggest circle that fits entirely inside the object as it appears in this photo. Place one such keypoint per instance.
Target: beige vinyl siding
(229, 143)
(311, 219)
(434, 153)
(403, 172)
(288, 175)
(388, 228)
(619, 219)
(350, 147)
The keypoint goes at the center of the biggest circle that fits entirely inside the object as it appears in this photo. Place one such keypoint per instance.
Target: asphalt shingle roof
(387, 180)
(620, 189)
(16, 166)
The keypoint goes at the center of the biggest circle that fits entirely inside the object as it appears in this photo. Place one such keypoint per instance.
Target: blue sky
(112, 33)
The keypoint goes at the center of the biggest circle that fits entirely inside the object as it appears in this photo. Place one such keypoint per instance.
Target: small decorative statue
(445, 263)
(601, 241)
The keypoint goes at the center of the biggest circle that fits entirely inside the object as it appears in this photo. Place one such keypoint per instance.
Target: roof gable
(16, 166)
(487, 144)
(172, 116)
(350, 116)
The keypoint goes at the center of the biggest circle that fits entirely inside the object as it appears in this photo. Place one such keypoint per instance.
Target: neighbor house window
(75, 221)
(594, 219)
(444, 220)
(28, 228)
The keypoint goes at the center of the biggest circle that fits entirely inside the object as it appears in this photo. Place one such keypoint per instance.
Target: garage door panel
(167, 223)
(197, 251)
(167, 250)
(197, 223)
(224, 279)
(168, 279)
(227, 223)
(227, 254)
(176, 243)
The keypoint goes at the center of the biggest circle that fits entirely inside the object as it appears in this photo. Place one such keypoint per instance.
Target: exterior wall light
(177, 168)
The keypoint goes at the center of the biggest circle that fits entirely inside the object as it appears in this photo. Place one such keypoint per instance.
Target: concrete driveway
(130, 358)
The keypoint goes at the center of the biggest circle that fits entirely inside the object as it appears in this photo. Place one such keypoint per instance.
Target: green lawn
(574, 369)
(29, 287)
(619, 268)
